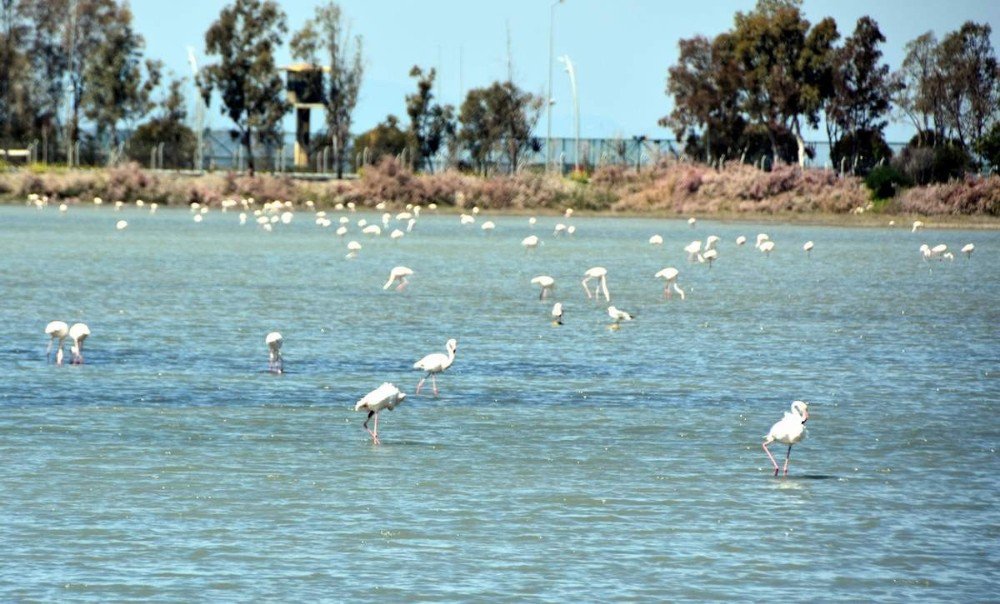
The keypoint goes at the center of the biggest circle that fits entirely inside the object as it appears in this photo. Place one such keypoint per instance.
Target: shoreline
(733, 194)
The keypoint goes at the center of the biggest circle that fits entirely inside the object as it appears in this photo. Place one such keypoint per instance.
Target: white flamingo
(711, 241)
(709, 256)
(557, 313)
(78, 332)
(692, 250)
(398, 273)
(353, 247)
(385, 396)
(656, 240)
(933, 253)
(546, 282)
(488, 227)
(530, 242)
(917, 225)
(789, 431)
(56, 330)
(275, 363)
(967, 249)
(601, 274)
(741, 240)
(808, 247)
(435, 363)
(761, 238)
(617, 315)
(669, 275)
(767, 247)
(692, 221)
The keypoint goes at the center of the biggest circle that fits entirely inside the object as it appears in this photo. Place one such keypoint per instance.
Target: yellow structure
(304, 89)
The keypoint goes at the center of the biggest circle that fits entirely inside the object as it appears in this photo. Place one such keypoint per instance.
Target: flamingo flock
(790, 430)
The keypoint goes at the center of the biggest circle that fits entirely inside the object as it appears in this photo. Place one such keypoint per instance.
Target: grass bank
(734, 192)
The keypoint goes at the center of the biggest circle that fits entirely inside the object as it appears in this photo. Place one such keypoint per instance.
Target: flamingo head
(802, 408)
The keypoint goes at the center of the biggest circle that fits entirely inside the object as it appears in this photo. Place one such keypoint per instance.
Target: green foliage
(498, 120)
(245, 38)
(885, 181)
(860, 151)
(384, 140)
(431, 125)
(988, 147)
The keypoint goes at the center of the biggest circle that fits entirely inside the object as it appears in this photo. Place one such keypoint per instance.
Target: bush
(885, 181)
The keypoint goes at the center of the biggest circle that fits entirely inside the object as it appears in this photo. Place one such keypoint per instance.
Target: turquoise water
(557, 464)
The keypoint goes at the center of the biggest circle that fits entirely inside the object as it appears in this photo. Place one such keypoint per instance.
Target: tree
(167, 128)
(87, 22)
(344, 77)
(498, 119)
(244, 38)
(785, 66)
(431, 125)
(967, 65)
(862, 89)
(988, 147)
(919, 92)
(46, 48)
(116, 89)
(385, 139)
(15, 115)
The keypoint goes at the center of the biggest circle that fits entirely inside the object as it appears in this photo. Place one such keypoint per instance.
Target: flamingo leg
(434, 384)
(771, 457)
(585, 288)
(421, 383)
(402, 285)
(787, 455)
(48, 350)
(375, 433)
(604, 287)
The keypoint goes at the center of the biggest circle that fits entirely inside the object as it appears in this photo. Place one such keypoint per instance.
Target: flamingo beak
(805, 417)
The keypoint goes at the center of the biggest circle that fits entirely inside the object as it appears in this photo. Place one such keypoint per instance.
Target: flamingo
(789, 431)
(435, 363)
(275, 364)
(761, 238)
(917, 225)
(560, 228)
(600, 273)
(617, 315)
(936, 252)
(709, 256)
(385, 396)
(546, 283)
(396, 234)
(741, 240)
(557, 313)
(692, 221)
(78, 332)
(488, 226)
(398, 273)
(121, 225)
(767, 247)
(56, 330)
(670, 275)
(967, 249)
(466, 219)
(353, 247)
(808, 247)
(530, 242)
(656, 240)
(710, 242)
(372, 229)
(692, 249)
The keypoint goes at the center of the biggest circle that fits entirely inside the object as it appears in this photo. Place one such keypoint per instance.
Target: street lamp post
(548, 101)
(576, 108)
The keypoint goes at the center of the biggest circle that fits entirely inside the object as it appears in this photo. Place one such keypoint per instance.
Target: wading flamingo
(967, 249)
(385, 396)
(656, 240)
(78, 332)
(789, 431)
(557, 313)
(601, 274)
(808, 247)
(56, 330)
(617, 315)
(275, 364)
(435, 363)
(546, 283)
(398, 273)
(530, 242)
(669, 274)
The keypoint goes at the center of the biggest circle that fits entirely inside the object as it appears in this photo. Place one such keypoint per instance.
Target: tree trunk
(248, 147)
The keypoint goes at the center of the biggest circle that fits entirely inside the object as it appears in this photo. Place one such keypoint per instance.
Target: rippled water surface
(558, 463)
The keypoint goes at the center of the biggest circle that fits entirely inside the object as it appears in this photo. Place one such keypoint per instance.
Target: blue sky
(621, 48)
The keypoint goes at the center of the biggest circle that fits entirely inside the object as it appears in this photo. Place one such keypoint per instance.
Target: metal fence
(221, 151)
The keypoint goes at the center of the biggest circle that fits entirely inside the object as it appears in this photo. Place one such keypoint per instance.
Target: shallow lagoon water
(558, 463)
